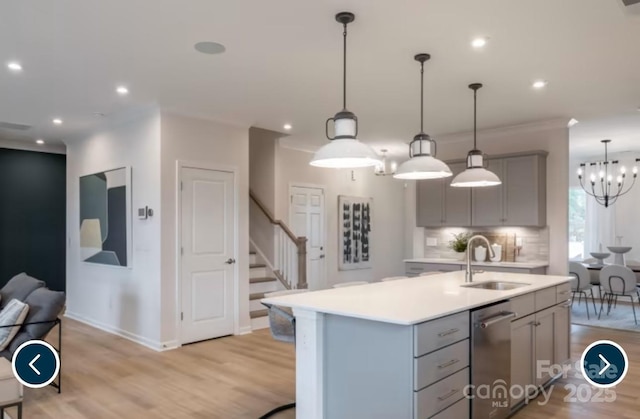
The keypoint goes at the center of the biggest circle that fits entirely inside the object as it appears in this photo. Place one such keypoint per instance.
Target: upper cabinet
(440, 205)
(519, 202)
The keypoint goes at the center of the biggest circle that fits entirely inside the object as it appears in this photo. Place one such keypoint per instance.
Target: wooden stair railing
(285, 265)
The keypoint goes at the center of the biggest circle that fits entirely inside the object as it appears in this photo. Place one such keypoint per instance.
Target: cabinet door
(524, 195)
(562, 333)
(544, 343)
(522, 345)
(430, 203)
(457, 201)
(486, 203)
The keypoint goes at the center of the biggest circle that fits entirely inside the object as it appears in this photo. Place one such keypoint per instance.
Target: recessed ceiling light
(40, 141)
(208, 47)
(479, 42)
(539, 84)
(287, 126)
(57, 121)
(122, 90)
(14, 66)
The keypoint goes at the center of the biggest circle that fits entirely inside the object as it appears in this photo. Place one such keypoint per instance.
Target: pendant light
(475, 176)
(422, 163)
(344, 150)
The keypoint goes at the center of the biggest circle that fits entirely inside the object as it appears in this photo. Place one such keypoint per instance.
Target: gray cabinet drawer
(545, 298)
(415, 268)
(440, 395)
(440, 364)
(523, 305)
(459, 410)
(563, 292)
(436, 334)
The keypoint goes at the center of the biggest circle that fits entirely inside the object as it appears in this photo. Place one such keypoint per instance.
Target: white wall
(551, 136)
(204, 143)
(121, 300)
(292, 167)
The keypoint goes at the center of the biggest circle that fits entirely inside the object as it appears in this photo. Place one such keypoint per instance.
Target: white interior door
(208, 254)
(307, 219)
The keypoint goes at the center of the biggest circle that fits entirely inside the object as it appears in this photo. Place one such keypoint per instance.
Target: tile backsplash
(535, 242)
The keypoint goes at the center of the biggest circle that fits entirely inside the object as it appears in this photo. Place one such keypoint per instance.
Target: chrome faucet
(468, 277)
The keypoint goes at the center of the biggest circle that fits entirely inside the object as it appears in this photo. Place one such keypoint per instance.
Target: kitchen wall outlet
(432, 241)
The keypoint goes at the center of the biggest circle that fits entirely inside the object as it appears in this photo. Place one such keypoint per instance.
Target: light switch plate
(432, 241)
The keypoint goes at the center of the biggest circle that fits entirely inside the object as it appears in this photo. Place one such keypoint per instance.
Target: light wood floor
(105, 376)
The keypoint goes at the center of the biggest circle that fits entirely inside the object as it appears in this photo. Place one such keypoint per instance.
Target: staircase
(261, 281)
(278, 259)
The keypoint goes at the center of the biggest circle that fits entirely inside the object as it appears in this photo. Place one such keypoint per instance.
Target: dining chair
(581, 284)
(350, 284)
(282, 324)
(393, 278)
(618, 281)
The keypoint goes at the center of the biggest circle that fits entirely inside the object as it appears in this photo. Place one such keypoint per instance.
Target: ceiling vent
(632, 6)
(13, 126)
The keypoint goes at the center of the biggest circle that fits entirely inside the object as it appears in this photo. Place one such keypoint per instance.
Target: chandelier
(601, 184)
(382, 169)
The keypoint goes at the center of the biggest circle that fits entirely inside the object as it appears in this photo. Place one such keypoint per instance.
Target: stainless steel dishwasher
(491, 361)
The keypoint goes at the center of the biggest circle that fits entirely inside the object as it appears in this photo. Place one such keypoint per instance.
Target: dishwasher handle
(497, 319)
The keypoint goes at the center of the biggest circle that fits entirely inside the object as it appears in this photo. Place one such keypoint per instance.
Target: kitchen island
(375, 351)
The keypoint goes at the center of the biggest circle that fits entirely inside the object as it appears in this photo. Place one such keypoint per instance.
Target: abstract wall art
(105, 217)
(354, 232)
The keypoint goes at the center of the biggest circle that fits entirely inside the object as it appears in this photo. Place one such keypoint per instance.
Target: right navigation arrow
(607, 364)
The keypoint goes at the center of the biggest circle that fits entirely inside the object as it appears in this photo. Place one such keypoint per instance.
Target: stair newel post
(302, 263)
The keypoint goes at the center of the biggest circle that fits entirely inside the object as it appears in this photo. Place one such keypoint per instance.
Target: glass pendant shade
(344, 151)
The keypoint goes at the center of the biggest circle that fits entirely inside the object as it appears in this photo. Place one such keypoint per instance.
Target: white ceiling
(283, 62)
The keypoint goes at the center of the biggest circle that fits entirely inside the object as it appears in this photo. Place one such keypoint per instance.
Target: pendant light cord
(475, 117)
(422, 98)
(344, 68)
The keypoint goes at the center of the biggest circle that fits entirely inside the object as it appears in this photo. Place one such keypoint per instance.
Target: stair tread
(256, 296)
(257, 265)
(259, 313)
(259, 280)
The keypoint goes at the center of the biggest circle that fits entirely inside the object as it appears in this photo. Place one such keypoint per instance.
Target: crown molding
(509, 130)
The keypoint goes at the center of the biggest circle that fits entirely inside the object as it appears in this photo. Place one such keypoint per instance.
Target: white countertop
(413, 300)
(522, 265)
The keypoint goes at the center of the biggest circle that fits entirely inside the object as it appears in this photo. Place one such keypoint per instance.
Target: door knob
(230, 261)
(321, 256)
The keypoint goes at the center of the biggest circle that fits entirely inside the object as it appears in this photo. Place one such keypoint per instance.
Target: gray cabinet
(487, 203)
(520, 200)
(430, 203)
(383, 370)
(540, 335)
(522, 345)
(440, 205)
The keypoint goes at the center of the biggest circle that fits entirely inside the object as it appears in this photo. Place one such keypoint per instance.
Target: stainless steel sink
(496, 285)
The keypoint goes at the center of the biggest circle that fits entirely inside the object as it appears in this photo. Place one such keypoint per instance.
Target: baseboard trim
(245, 330)
(140, 340)
(169, 345)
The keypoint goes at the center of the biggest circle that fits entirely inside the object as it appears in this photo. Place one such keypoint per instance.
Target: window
(577, 223)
